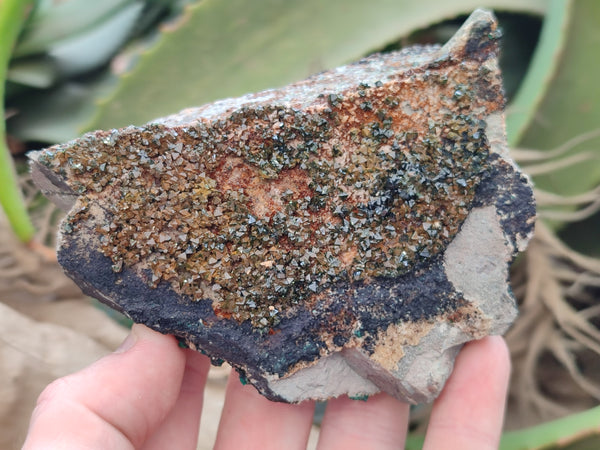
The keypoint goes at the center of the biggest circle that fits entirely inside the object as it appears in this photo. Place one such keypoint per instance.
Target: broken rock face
(342, 235)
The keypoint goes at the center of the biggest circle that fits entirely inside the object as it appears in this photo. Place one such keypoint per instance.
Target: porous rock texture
(342, 235)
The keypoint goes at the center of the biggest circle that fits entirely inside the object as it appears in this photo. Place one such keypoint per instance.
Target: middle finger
(380, 423)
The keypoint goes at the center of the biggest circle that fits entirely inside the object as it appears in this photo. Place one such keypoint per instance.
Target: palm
(149, 395)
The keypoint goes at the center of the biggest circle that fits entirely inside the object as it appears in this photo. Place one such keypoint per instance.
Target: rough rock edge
(398, 365)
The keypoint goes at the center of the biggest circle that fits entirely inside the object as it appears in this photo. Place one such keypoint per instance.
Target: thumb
(114, 403)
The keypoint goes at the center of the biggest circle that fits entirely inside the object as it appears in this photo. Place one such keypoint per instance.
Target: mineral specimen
(342, 235)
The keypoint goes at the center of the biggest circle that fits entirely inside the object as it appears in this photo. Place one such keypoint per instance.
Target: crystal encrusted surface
(270, 204)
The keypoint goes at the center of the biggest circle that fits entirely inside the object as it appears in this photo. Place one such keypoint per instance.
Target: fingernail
(127, 343)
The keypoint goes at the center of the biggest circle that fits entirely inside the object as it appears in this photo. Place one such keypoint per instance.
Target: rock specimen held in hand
(342, 235)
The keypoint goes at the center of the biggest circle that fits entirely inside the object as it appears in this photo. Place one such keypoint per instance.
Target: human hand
(148, 394)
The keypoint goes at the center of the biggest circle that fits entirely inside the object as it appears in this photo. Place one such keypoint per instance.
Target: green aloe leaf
(57, 115)
(544, 64)
(577, 432)
(88, 50)
(53, 21)
(39, 73)
(571, 104)
(228, 48)
(13, 13)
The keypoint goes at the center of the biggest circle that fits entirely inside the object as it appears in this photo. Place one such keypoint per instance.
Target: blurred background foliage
(79, 65)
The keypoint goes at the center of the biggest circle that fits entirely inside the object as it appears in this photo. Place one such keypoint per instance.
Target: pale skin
(148, 395)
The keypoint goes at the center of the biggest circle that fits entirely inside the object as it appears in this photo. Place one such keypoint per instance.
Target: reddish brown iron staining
(263, 210)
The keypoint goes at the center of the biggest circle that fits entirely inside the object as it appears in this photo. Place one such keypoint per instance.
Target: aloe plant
(221, 48)
(56, 41)
(12, 15)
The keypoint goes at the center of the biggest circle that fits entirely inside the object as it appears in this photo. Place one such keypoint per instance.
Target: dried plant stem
(525, 155)
(555, 333)
(536, 162)
(553, 166)
(549, 198)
